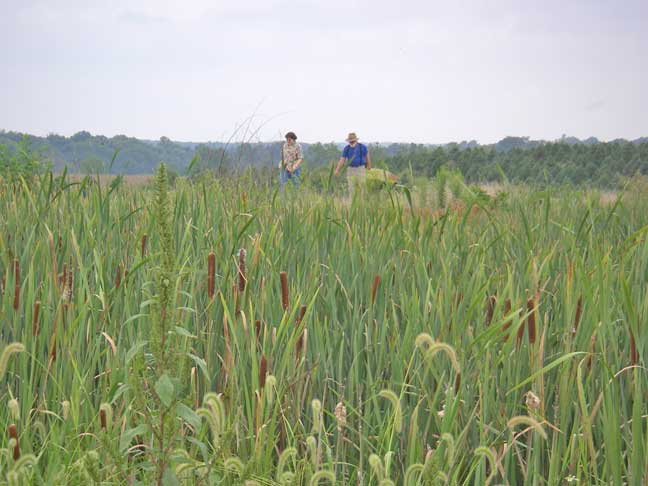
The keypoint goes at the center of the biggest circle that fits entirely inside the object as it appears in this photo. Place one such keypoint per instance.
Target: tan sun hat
(352, 137)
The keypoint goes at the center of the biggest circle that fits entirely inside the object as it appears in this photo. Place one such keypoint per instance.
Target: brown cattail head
(579, 310)
(60, 242)
(35, 326)
(257, 329)
(211, 274)
(520, 335)
(531, 321)
(13, 434)
(143, 246)
(63, 279)
(507, 311)
(118, 277)
(302, 313)
(490, 309)
(263, 371)
(374, 288)
(634, 355)
(457, 382)
(16, 302)
(103, 419)
(241, 271)
(283, 276)
(299, 346)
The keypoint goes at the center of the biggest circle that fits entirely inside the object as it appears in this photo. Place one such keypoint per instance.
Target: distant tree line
(519, 159)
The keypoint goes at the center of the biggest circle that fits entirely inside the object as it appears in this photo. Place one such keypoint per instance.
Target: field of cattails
(223, 332)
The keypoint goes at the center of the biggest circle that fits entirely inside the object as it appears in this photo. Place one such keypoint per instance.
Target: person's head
(291, 137)
(352, 139)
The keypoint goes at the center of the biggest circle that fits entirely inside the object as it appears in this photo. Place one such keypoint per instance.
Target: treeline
(520, 159)
(600, 164)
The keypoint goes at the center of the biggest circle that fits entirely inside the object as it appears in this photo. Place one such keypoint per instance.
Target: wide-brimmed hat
(352, 137)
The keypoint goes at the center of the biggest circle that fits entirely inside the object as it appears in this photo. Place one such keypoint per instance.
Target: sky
(419, 71)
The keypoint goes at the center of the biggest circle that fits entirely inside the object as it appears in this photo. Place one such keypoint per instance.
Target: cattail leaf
(544, 370)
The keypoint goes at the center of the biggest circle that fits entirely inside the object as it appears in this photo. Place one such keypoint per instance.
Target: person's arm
(368, 160)
(295, 165)
(339, 166)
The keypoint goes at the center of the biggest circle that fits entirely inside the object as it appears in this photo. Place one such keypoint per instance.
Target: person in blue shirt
(357, 155)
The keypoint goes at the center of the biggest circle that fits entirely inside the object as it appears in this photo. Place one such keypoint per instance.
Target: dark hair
(291, 135)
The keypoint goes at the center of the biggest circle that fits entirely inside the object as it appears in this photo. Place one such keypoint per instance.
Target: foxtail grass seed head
(529, 422)
(316, 406)
(270, 386)
(211, 274)
(241, 271)
(8, 350)
(14, 409)
(396, 406)
(283, 277)
(65, 406)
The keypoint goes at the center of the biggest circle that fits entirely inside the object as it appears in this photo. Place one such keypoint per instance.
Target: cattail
(143, 246)
(63, 279)
(634, 355)
(103, 419)
(35, 326)
(579, 310)
(263, 371)
(211, 274)
(118, 277)
(126, 277)
(16, 302)
(340, 416)
(531, 322)
(60, 242)
(257, 329)
(237, 303)
(520, 335)
(374, 288)
(13, 434)
(507, 324)
(283, 276)
(241, 271)
(490, 309)
(457, 382)
(300, 340)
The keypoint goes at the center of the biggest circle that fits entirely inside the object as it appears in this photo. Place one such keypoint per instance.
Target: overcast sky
(405, 71)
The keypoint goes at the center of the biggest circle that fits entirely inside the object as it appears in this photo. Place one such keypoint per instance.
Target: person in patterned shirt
(291, 159)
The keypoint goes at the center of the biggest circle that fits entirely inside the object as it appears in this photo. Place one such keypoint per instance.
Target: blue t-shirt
(357, 155)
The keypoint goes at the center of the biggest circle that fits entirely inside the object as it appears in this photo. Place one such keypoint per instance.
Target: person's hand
(289, 168)
(337, 171)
